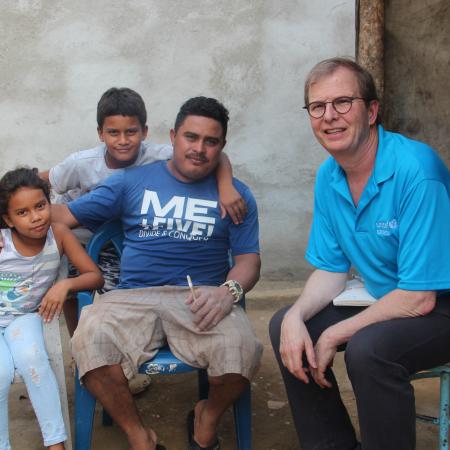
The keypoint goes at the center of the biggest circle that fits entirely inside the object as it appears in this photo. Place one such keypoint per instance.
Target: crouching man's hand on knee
(210, 305)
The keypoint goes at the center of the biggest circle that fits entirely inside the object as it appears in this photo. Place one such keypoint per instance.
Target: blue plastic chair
(163, 363)
(443, 372)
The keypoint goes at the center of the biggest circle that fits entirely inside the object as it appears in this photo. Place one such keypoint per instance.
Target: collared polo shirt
(399, 234)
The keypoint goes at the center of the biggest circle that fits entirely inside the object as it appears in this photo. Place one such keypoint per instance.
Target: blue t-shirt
(399, 235)
(171, 228)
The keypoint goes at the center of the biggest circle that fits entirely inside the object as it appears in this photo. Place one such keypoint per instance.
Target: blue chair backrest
(108, 232)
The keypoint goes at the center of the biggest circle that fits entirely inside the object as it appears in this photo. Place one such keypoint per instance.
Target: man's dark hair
(121, 102)
(13, 180)
(367, 88)
(205, 107)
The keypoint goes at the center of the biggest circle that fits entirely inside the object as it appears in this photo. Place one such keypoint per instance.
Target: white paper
(354, 294)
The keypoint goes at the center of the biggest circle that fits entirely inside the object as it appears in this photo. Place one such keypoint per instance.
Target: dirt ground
(165, 404)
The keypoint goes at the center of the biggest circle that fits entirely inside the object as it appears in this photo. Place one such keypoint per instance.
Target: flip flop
(193, 445)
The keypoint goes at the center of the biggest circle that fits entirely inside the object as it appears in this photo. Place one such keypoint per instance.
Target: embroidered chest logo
(386, 227)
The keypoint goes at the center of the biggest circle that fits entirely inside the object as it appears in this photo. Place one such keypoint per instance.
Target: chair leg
(203, 384)
(444, 411)
(243, 420)
(242, 409)
(84, 413)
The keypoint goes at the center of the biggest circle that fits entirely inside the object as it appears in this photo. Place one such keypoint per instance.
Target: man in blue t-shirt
(381, 207)
(171, 219)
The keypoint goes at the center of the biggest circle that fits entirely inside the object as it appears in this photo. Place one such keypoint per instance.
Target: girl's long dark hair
(16, 179)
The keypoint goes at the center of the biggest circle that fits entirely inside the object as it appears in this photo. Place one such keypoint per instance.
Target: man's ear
(374, 107)
(172, 135)
(100, 133)
(7, 220)
(145, 133)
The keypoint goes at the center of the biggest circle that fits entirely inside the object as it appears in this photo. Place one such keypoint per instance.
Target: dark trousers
(379, 359)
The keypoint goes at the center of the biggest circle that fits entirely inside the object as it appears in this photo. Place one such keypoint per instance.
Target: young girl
(30, 251)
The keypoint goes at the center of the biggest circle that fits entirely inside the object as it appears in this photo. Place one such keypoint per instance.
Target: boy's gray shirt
(81, 171)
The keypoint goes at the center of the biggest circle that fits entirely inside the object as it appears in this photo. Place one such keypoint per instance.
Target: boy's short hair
(123, 102)
(205, 107)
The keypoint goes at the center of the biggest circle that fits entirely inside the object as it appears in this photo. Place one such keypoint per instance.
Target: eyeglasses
(341, 105)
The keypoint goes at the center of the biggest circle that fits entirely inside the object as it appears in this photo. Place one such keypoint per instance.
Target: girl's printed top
(24, 280)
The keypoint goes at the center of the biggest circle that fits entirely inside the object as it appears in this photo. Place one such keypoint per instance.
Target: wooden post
(370, 39)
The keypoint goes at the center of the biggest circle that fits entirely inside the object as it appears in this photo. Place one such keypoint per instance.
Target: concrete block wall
(58, 57)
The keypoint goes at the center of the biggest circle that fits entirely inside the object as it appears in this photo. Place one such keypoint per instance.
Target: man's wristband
(235, 289)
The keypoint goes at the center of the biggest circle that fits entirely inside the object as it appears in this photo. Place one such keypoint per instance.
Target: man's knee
(89, 330)
(361, 354)
(227, 379)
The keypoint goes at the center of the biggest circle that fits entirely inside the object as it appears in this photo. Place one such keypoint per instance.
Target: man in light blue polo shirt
(382, 207)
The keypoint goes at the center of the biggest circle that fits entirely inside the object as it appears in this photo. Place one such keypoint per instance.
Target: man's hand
(53, 301)
(210, 306)
(232, 203)
(294, 341)
(325, 351)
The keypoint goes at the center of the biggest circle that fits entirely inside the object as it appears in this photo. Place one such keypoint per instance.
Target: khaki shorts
(128, 326)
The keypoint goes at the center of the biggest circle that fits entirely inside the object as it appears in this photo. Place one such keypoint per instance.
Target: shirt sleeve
(156, 152)
(244, 238)
(424, 238)
(102, 204)
(323, 250)
(65, 175)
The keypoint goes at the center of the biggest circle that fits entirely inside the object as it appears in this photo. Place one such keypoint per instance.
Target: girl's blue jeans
(22, 347)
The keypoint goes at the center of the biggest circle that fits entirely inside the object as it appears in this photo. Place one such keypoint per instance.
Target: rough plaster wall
(57, 57)
(417, 71)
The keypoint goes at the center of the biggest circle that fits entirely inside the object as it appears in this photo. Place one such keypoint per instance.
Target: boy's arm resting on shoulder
(90, 277)
(231, 201)
(61, 213)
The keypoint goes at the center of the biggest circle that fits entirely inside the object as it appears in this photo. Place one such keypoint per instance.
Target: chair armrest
(84, 298)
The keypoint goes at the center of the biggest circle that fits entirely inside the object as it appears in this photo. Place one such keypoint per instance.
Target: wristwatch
(235, 289)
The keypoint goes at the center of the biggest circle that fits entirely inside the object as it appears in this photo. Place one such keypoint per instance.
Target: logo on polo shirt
(386, 227)
(180, 218)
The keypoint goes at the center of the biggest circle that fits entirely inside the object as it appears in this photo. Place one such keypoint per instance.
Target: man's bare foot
(143, 441)
(205, 429)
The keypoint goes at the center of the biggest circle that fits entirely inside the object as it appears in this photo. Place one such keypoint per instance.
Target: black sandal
(193, 445)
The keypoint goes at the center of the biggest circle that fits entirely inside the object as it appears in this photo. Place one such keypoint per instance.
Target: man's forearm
(396, 304)
(320, 288)
(61, 213)
(246, 270)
